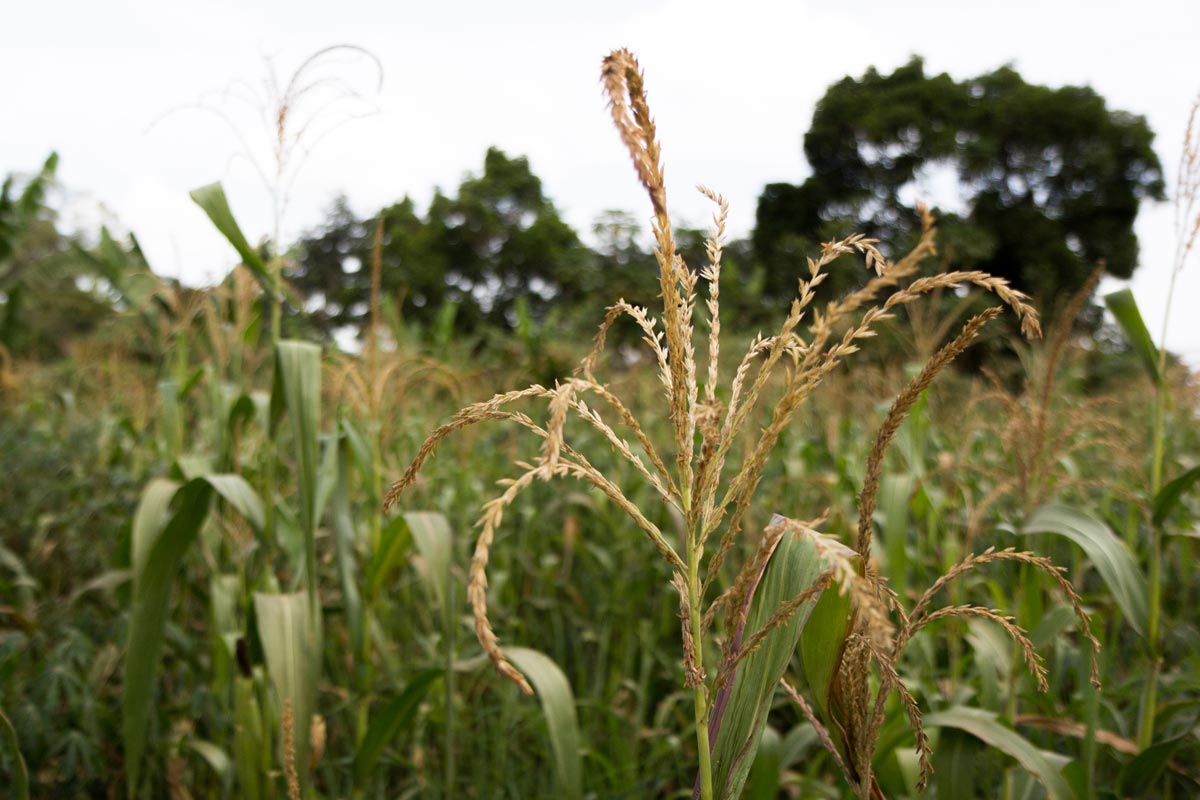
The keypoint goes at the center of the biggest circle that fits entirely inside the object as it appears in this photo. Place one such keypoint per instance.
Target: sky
(141, 100)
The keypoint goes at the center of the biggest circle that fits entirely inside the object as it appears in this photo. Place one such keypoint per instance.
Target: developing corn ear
(733, 668)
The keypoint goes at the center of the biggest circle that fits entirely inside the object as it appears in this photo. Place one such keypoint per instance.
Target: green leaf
(821, 645)
(993, 659)
(1169, 496)
(297, 389)
(212, 200)
(765, 774)
(215, 757)
(18, 780)
(158, 549)
(986, 726)
(793, 567)
(327, 475)
(160, 538)
(362, 452)
(105, 581)
(150, 518)
(558, 707)
(895, 498)
(396, 716)
(172, 417)
(291, 643)
(238, 493)
(431, 533)
(344, 540)
(1124, 308)
(956, 763)
(393, 546)
(240, 411)
(1139, 775)
(1107, 553)
(224, 593)
(248, 741)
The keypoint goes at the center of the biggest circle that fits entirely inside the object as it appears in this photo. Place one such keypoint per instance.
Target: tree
(497, 241)
(331, 270)
(1051, 179)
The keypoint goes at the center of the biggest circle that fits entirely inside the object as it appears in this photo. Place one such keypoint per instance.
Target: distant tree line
(1050, 182)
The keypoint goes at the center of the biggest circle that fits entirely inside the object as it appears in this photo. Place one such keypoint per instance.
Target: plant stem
(1145, 734)
(699, 693)
(448, 681)
(1150, 692)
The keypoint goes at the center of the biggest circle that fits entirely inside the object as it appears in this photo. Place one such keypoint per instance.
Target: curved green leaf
(895, 499)
(215, 757)
(986, 726)
(431, 533)
(238, 493)
(212, 200)
(393, 718)
(239, 411)
(297, 389)
(361, 450)
(767, 771)
(158, 550)
(821, 644)
(1139, 775)
(291, 643)
(1109, 554)
(1124, 308)
(393, 545)
(168, 519)
(793, 567)
(150, 518)
(558, 707)
(344, 539)
(1169, 496)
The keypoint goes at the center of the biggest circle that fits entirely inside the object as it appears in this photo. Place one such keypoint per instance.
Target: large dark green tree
(498, 242)
(1051, 179)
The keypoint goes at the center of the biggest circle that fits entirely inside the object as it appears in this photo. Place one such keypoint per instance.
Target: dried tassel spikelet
(291, 776)
(695, 485)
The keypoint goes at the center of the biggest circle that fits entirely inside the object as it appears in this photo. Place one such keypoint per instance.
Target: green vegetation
(202, 594)
(1052, 178)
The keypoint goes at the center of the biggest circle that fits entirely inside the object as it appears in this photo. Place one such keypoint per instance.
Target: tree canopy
(1051, 179)
(1049, 183)
(497, 241)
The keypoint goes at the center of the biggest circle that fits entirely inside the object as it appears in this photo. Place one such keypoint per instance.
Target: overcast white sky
(732, 86)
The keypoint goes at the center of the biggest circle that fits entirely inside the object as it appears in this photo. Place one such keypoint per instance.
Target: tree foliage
(497, 241)
(43, 301)
(1051, 179)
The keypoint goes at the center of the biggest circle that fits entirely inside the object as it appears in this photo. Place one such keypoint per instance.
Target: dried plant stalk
(695, 482)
